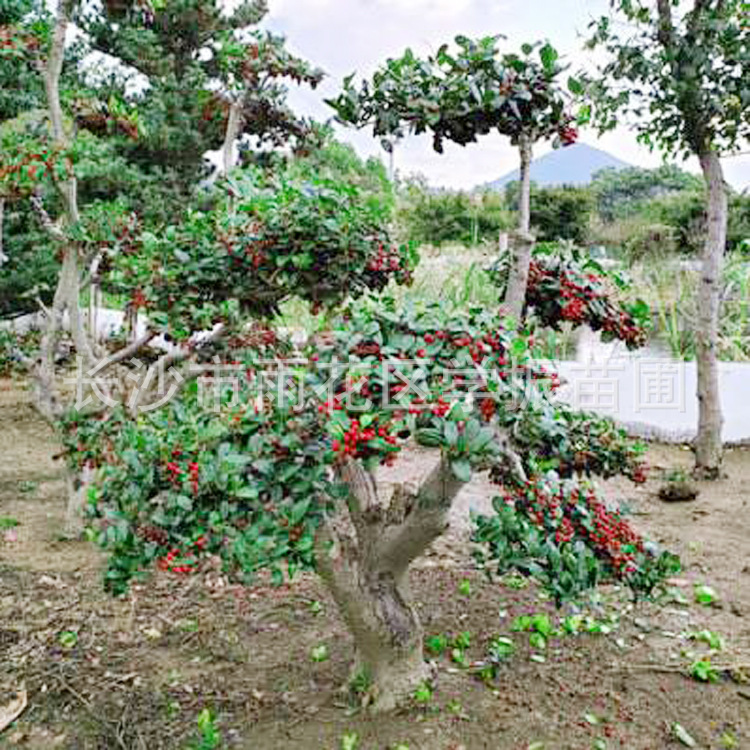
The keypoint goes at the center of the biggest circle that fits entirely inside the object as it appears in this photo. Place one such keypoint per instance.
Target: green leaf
(549, 56)
(248, 492)
(705, 595)
(575, 86)
(68, 639)
(461, 469)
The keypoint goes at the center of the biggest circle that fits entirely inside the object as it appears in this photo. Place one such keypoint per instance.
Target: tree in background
(622, 192)
(200, 77)
(435, 217)
(459, 96)
(680, 77)
(557, 213)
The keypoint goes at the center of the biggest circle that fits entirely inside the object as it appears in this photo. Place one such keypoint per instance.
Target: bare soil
(138, 670)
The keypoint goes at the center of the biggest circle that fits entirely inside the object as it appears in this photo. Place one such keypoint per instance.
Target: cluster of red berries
(176, 473)
(568, 135)
(580, 514)
(187, 562)
(32, 166)
(385, 259)
(574, 310)
(253, 249)
(556, 295)
(138, 300)
(487, 408)
(639, 474)
(256, 338)
(613, 537)
(12, 38)
(621, 325)
(194, 473)
(356, 439)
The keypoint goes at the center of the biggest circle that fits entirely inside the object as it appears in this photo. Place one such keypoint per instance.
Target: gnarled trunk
(363, 554)
(522, 242)
(708, 445)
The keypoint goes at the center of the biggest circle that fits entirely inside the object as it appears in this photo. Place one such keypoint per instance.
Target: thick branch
(167, 361)
(425, 519)
(129, 351)
(44, 218)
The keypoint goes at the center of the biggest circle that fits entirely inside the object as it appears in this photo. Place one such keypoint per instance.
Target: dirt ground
(136, 672)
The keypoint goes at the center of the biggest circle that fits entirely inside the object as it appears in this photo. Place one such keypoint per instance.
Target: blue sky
(345, 36)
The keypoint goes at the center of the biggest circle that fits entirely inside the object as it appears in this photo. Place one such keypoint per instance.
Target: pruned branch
(129, 351)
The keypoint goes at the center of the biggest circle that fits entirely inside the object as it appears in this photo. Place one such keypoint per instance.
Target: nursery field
(267, 662)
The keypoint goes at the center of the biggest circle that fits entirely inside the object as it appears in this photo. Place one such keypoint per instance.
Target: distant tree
(436, 217)
(459, 96)
(679, 75)
(562, 212)
(622, 192)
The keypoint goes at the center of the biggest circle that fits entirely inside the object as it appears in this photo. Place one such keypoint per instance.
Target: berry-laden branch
(564, 286)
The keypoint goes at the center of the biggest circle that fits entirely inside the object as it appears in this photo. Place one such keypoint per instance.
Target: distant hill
(573, 165)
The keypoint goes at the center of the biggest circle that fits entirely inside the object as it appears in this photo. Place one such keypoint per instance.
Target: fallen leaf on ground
(11, 711)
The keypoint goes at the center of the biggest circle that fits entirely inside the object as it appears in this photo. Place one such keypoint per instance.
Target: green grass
(672, 292)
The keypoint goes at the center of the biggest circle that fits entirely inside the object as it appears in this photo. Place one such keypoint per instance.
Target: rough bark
(708, 444)
(67, 292)
(522, 242)
(363, 554)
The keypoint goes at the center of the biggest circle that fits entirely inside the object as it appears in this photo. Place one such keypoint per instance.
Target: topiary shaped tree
(278, 470)
(340, 248)
(459, 96)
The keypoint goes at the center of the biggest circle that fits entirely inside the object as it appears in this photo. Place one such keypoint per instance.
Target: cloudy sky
(346, 36)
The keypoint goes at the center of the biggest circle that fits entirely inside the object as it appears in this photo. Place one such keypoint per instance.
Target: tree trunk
(363, 554)
(523, 242)
(77, 487)
(230, 137)
(524, 197)
(3, 256)
(708, 445)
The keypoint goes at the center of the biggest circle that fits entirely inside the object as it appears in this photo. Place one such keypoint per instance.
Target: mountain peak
(571, 165)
